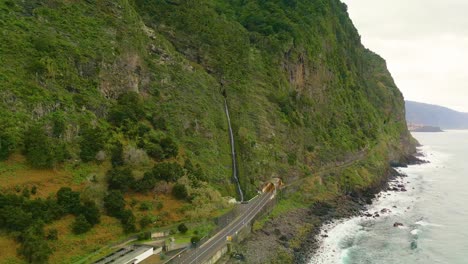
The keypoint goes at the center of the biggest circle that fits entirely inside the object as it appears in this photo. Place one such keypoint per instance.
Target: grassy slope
(302, 90)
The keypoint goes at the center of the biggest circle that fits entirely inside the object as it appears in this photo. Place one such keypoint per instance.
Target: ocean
(433, 213)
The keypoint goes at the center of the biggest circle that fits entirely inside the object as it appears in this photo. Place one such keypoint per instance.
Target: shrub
(69, 200)
(114, 203)
(180, 191)
(144, 235)
(33, 245)
(159, 205)
(14, 218)
(7, 145)
(120, 179)
(52, 234)
(169, 172)
(145, 206)
(158, 146)
(81, 225)
(91, 212)
(145, 221)
(145, 184)
(128, 221)
(128, 109)
(169, 147)
(33, 190)
(182, 228)
(26, 193)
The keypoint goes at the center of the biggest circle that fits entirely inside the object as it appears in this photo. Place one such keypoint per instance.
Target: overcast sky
(425, 44)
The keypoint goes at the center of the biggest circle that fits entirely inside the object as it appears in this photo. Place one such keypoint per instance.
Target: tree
(195, 173)
(169, 147)
(33, 245)
(129, 109)
(128, 221)
(7, 145)
(14, 218)
(145, 221)
(58, 124)
(182, 228)
(91, 212)
(158, 145)
(170, 172)
(180, 191)
(114, 203)
(38, 147)
(43, 209)
(92, 141)
(81, 225)
(146, 183)
(117, 155)
(69, 200)
(120, 179)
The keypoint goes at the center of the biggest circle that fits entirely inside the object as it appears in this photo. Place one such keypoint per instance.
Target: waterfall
(233, 153)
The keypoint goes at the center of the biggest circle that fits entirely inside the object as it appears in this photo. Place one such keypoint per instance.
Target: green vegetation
(182, 228)
(81, 225)
(180, 191)
(134, 90)
(24, 219)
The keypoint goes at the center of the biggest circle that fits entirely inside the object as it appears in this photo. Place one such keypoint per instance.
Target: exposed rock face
(125, 75)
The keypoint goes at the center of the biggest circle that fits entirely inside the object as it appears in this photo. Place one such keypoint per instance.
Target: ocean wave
(424, 223)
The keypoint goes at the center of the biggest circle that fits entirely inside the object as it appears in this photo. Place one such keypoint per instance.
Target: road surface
(207, 250)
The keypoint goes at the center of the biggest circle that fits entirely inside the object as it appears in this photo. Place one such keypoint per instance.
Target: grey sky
(425, 44)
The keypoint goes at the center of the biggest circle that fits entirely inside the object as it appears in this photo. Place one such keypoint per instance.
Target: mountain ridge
(434, 115)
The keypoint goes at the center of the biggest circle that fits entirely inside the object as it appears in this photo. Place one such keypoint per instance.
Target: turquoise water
(434, 213)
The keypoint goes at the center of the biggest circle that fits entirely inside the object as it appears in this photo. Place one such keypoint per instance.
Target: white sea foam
(423, 223)
(340, 236)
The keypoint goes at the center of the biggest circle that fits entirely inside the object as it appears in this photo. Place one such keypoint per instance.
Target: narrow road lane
(209, 248)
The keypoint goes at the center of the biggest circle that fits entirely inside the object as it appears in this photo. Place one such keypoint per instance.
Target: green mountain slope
(134, 83)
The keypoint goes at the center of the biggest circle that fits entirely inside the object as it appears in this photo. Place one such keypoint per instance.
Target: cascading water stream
(233, 153)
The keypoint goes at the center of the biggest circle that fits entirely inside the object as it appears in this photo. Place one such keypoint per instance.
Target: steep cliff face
(302, 88)
(303, 92)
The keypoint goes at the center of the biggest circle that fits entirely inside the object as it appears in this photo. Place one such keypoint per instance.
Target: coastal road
(207, 250)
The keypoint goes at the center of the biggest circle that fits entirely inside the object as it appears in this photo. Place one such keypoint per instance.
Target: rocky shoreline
(393, 182)
(294, 238)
